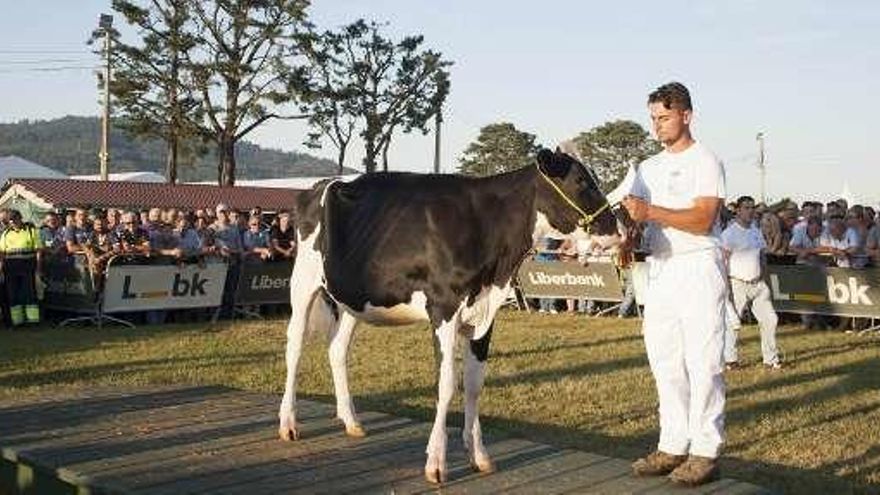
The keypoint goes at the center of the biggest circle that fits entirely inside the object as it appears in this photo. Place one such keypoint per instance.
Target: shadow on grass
(36, 342)
(563, 347)
(85, 373)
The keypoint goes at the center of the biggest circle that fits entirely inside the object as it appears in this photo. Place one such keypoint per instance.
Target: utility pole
(105, 24)
(761, 167)
(438, 118)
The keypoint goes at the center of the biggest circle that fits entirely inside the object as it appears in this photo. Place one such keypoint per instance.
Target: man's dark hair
(742, 199)
(672, 95)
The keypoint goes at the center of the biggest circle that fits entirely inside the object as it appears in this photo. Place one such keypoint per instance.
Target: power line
(41, 61)
(42, 52)
(49, 69)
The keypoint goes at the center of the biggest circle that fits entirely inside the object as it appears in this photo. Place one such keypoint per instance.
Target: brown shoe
(696, 471)
(657, 464)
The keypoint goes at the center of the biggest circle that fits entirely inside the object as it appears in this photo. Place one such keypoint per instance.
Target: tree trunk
(226, 166)
(340, 160)
(385, 158)
(370, 158)
(171, 161)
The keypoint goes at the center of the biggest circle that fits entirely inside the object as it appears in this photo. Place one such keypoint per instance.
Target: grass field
(563, 379)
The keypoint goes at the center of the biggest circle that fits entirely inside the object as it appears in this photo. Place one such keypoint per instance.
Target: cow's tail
(323, 314)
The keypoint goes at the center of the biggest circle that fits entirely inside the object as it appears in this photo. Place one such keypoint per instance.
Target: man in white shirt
(743, 246)
(678, 194)
(836, 243)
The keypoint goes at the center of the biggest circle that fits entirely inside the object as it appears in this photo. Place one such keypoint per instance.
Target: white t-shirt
(829, 240)
(744, 245)
(675, 180)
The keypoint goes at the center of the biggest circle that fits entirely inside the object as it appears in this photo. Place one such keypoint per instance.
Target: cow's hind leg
(435, 467)
(474, 371)
(340, 338)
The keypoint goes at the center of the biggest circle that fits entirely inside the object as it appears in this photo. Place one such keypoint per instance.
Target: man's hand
(636, 207)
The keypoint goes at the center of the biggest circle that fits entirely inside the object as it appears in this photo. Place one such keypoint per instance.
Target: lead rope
(586, 218)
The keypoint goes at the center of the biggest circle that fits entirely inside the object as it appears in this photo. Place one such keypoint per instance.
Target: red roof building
(53, 194)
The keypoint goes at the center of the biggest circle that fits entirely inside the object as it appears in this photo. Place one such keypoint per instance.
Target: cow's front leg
(474, 371)
(435, 467)
(340, 339)
(288, 429)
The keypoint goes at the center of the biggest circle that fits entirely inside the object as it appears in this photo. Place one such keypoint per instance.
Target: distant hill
(70, 145)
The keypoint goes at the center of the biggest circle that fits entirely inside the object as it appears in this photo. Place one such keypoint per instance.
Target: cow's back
(388, 236)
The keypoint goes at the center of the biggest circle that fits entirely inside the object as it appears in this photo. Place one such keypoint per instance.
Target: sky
(806, 73)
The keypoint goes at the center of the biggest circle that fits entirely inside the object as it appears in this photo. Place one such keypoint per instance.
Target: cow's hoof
(435, 476)
(355, 430)
(484, 466)
(288, 434)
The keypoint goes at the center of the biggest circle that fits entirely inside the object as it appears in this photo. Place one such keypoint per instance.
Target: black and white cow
(396, 248)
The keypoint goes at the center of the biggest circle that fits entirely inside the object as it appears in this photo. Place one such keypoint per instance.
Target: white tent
(125, 177)
(14, 167)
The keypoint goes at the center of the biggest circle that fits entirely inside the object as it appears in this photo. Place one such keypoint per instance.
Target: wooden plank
(381, 471)
(207, 459)
(268, 457)
(511, 453)
(218, 440)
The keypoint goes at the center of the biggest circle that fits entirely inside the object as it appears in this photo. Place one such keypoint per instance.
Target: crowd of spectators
(166, 235)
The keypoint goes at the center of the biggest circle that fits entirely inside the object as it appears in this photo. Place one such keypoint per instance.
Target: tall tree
(499, 148)
(329, 99)
(246, 66)
(613, 147)
(394, 85)
(152, 83)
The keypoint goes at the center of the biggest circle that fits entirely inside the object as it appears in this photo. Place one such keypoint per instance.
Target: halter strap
(586, 218)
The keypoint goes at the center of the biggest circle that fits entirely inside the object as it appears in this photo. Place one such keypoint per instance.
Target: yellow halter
(586, 218)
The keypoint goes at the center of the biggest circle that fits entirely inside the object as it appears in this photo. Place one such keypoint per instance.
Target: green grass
(562, 379)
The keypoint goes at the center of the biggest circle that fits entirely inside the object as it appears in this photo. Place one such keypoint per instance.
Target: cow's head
(569, 196)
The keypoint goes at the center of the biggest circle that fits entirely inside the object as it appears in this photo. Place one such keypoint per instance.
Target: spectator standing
(20, 259)
(79, 235)
(227, 243)
(188, 240)
(283, 237)
(743, 245)
(836, 243)
(132, 239)
(99, 250)
(255, 241)
(51, 234)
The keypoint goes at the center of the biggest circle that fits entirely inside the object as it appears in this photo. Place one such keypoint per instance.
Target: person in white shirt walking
(744, 247)
(678, 194)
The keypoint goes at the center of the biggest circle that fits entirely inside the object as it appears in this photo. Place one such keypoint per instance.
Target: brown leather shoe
(657, 464)
(696, 471)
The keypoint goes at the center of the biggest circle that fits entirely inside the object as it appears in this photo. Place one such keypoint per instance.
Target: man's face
(669, 123)
(745, 213)
(284, 220)
(51, 221)
(814, 229)
(80, 218)
(837, 227)
(98, 225)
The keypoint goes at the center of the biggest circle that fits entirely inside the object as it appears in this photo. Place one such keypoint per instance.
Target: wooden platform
(218, 440)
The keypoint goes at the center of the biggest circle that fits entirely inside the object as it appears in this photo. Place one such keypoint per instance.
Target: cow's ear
(551, 165)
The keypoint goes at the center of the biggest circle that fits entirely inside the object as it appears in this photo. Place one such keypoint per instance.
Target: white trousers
(684, 337)
(758, 294)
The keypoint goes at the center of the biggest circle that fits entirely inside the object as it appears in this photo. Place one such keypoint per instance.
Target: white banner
(146, 287)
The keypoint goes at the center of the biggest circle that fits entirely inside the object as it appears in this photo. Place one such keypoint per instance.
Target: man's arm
(698, 219)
